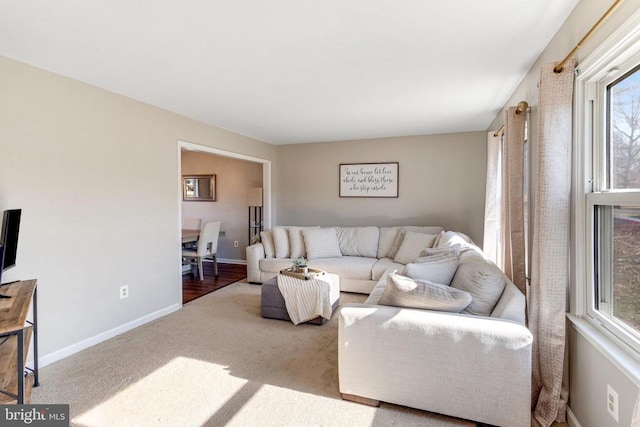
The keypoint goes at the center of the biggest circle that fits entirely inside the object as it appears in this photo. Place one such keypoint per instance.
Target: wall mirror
(199, 188)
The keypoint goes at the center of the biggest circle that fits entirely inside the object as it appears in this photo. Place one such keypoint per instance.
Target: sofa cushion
(382, 265)
(397, 242)
(296, 242)
(347, 267)
(281, 242)
(437, 267)
(321, 243)
(359, 241)
(412, 246)
(267, 243)
(274, 265)
(482, 279)
(385, 242)
(378, 290)
(456, 249)
(450, 238)
(402, 291)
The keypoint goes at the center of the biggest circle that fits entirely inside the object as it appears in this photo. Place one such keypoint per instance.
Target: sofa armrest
(255, 253)
(421, 358)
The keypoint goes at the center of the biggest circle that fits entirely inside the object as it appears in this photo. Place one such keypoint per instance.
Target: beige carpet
(217, 362)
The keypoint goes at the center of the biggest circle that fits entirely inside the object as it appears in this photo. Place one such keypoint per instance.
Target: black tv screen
(9, 236)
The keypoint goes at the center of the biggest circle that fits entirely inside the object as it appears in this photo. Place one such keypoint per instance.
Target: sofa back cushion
(385, 242)
(359, 241)
(482, 279)
(412, 246)
(296, 242)
(267, 243)
(321, 243)
(281, 242)
(402, 291)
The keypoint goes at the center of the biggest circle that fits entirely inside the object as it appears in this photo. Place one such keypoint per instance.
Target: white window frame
(614, 58)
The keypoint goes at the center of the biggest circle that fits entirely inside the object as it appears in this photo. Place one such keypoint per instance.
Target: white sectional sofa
(360, 254)
(474, 364)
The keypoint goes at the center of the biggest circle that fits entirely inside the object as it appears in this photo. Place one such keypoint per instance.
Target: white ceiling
(293, 71)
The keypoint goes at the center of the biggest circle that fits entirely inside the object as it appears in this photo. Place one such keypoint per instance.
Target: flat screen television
(9, 239)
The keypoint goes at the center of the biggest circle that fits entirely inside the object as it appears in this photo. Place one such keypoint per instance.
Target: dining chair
(207, 248)
(191, 223)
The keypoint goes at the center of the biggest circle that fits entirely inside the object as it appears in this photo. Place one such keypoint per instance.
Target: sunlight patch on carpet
(197, 391)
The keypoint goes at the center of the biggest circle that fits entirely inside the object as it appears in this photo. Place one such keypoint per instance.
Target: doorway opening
(235, 175)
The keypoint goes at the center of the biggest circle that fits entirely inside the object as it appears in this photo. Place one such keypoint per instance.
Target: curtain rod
(520, 108)
(558, 68)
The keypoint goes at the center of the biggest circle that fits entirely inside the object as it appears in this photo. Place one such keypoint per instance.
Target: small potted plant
(300, 265)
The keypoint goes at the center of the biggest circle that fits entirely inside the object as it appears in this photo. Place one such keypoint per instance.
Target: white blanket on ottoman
(305, 299)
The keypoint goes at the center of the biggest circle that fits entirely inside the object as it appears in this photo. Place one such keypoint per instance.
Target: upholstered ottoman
(272, 305)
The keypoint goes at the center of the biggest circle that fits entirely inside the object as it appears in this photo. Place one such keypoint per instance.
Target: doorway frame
(266, 187)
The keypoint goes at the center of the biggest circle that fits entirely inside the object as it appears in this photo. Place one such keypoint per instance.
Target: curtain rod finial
(522, 107)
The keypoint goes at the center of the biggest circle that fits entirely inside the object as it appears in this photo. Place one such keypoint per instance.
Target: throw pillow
(267, 243)
(386, 240)
(281, 242)
(482, 279)
(321, 243)
(436, 251)
(296, 242)
(412, 245)
(403, 291)
(397, 241)
(450, 238)
(439, 267)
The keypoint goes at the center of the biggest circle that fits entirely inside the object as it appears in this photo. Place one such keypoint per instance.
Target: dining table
(189, 236)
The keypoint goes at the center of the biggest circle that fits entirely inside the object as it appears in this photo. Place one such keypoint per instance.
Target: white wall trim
(621, 358)
(572, 419)
(103, 336)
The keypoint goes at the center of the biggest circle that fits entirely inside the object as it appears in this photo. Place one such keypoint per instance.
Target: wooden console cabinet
(16, 332)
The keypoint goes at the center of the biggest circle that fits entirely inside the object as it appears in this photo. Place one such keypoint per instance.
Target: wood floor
(193, 288)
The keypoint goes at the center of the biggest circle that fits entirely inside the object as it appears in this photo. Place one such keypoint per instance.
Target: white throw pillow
(267, 243)
(438, 267)
(403, 291)
(397, 242)
(482, 279)
(296, 242)
(281, 242)
(321, 243)
(450, 238)
(412, 246)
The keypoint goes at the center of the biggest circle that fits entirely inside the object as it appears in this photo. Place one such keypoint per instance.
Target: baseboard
(228, 261)
(96, 339)
(571, 418)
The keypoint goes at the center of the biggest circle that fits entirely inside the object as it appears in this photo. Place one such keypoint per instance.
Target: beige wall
(441, 182)
(97, 177)
(591, 370)
(234, 178)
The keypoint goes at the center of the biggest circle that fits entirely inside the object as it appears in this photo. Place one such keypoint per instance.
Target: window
(608, 192)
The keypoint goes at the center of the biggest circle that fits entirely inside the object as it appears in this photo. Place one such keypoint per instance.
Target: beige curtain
(550, 254)
(504, 205)
(513, 254)
(493, 198)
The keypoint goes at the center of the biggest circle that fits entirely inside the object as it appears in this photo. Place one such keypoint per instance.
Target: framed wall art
(369, 179)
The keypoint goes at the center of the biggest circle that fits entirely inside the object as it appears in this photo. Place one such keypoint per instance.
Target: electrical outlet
(235, 243)
(124, 292)
(612, 402)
